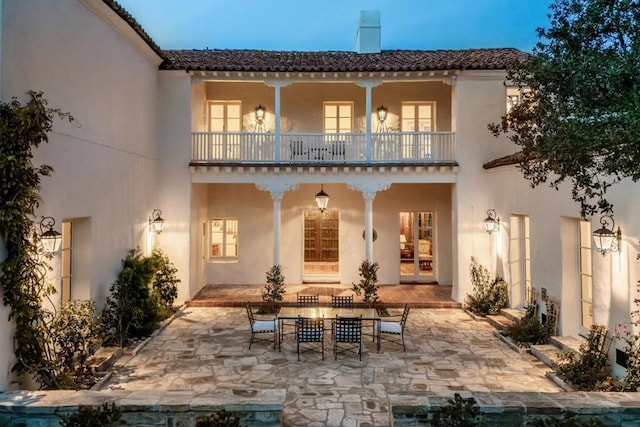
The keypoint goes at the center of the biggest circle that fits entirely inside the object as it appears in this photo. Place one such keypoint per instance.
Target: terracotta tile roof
(326, 61)
(340, 61)
(511, 159)
(126, 16)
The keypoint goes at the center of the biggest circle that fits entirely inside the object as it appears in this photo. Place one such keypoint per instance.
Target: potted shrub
(273, 291)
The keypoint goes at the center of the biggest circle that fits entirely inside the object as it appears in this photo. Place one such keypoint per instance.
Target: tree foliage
(578, 119)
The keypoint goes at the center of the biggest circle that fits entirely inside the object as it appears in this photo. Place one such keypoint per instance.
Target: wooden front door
(321, 237)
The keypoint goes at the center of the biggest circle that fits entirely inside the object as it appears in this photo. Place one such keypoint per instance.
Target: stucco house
(234, 146)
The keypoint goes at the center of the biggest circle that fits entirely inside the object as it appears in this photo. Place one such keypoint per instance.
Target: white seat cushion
(264, 326)
(390, 327)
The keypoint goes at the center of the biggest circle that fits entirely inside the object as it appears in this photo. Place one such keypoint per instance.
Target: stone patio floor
(205, 350)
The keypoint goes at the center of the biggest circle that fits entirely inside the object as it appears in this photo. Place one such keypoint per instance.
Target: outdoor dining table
(326, 313)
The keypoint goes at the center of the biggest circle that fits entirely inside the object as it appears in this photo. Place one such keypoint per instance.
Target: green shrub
(274, 289)
(88, 416)
(489, 296)
(458, 413)
(165, 281)
(220, 418)
(368, 285)
(131, 309)
(588, 369)
(75, 333)
(529, 330)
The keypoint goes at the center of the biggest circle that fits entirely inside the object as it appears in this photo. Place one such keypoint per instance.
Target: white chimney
(368, 35)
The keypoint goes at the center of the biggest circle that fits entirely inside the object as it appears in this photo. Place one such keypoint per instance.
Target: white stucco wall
(105, 164)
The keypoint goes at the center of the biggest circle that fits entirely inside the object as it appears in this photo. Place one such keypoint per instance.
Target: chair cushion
(264, 326)
(390, 327)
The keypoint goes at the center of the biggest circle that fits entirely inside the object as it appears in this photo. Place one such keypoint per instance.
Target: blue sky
(331, 24)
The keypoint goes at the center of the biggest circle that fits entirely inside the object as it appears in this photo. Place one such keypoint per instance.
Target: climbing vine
(23, 127)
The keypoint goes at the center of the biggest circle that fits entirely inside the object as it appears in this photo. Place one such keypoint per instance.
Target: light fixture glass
(605, 239)
(322, 199)
(491, 222)
(51, 239)
(260, 111)
(156, 223)
(382, 113)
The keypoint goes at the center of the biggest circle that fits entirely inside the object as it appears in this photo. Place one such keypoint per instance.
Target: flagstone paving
(205, 350)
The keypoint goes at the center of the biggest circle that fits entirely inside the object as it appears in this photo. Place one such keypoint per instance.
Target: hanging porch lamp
(322, 199)
(605, 238)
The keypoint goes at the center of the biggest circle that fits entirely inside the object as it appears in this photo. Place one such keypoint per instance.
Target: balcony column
(367, 85)
(277, 84)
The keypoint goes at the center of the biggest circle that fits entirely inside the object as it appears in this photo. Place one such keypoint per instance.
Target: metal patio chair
(347, 335)
(393, 331)
(310, 334)
(342, 301)
(267, 328)
(307, 300)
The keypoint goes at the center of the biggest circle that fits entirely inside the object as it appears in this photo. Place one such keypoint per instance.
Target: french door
(417, 232)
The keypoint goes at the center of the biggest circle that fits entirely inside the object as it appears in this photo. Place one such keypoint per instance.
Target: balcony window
(225, 116)
(338, 117)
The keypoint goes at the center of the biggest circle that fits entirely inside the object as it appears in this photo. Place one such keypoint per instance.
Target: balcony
(393, 148)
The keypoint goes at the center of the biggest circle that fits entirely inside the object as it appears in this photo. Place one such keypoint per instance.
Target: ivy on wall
(23, 127)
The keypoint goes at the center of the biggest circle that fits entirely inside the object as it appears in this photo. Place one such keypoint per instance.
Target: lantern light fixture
(322, 199)
(51, 239)
(605, 238)
(260, 111)
(492, 221)
(156, 222)
(382, 113)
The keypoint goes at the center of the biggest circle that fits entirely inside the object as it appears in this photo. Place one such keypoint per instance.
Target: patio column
(277, 198)
(368, 194)
(368, 224)
(277, 84)
(276, 191)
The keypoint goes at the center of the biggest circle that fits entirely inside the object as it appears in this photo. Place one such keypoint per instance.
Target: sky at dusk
(331, 24)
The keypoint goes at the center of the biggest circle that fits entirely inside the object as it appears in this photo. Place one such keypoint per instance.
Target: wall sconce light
(156, 223)
(491, 222)
(322, 199)
(605, 238)
(260, 112)
(382, 113)
(51, 239)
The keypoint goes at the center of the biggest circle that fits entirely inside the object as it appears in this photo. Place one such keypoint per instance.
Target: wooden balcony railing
(322, 148)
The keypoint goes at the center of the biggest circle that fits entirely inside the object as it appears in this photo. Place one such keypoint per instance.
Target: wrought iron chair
(342, 301)
(310, 334)
(338, 149)
(298, 149)
(262, 327)
(347, 335)
(393, 331)
(307, 300)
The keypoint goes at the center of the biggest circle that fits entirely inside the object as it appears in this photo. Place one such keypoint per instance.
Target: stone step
(103, 359)
(498, 321)
(546, 353)
(512, 314)
(569, 342)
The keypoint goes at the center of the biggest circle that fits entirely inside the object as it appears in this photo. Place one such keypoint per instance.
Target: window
(338, 117)
(223, 238)
(513, 97)
(66, 260)
(586, 279)
(225, 116)
(520, 260)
